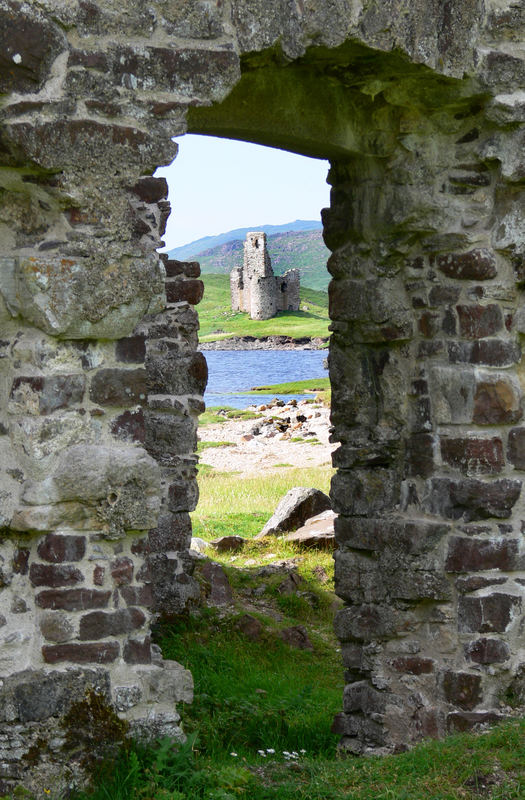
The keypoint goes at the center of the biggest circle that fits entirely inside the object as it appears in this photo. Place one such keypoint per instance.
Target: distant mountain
(193, 249)
(303, 250)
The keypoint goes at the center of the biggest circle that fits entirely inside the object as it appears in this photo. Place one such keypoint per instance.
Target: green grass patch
(254, 499)
(212, 416)
(293, 387)
(203, 445)
(218, 321)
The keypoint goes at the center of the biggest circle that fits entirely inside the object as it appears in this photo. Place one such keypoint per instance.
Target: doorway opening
(267, 598)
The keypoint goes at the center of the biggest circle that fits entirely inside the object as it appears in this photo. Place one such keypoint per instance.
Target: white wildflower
(234, 755)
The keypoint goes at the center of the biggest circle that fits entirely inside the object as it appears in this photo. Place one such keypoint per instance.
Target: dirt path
(268, 441)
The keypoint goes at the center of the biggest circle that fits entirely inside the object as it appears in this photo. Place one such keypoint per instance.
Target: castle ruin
(254, 287)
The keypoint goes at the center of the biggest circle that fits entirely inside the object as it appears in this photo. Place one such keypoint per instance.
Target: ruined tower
(254, 287)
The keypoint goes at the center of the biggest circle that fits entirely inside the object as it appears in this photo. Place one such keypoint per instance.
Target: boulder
(316, 532)
(298, 505)
(250, 626)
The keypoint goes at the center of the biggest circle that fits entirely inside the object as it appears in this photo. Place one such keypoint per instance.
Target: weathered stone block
(420, 455)
(187, 290)
(471, 499)
(413, 665)
(470, 554)
(471, 456)
(130, 426)
(496, 402)
(21, 561)
(56, 627)
(491, 614)
(43, 395)
(490, 352)
(149, 189)
(118, 387)
(476, 322)
(476, 265)
(172, 533)
(516, 448)
(54, 575)
(100, 624)
(137, 652)
(169, 435)
(360, 696)
(407, 536)
(462, 721)
(487, 651)
(364, 492)
(475, 582)
(85, 653)
(172, 372)
(131, 350)
(72, 599)
(57, 548)
(137, 595)
(364, 623)
(462, 689)
(122, 570)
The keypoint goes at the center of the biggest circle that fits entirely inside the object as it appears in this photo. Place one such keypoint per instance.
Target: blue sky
(220, 184)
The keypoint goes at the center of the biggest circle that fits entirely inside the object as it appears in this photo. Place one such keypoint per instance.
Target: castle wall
(287, 290)
(101, 382)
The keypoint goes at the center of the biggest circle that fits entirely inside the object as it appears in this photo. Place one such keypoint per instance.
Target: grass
(203, 445)
(216, 414)
(254, 499)
(294, 387)
(218, 321)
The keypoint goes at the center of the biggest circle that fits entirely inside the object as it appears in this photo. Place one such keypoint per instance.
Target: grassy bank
(218, 321)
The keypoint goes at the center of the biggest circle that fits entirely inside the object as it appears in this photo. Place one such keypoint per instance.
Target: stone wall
(419, 105)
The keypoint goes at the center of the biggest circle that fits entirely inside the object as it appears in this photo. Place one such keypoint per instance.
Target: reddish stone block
(98, 575)
(476, 265)
(187, 290)
(516, 448)
(137, 595)
(122, 570)
(173, 533)
(21, 561)
(476, 322)
(96, 653)
(490, 614)
(429, 324)
(462, 689)
(136, 652)
(473, 455)
(129, 426)
(118, 387)
(487, 651)
(149, 189)
(73, 599)
(56, 548)
(413, 665)
(100, 624)
(54, 575)
(492, 352)
(173, 267)
(475, 582)
(496, 403)
(470, 555)
(131, 350)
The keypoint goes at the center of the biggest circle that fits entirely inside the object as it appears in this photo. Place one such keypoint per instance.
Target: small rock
(228, 544)
(297, 637)
(250, 627)
(220, 592)
(290, 584)
(310, 597)
(247, 437)
(320, 574)
(297, 506)
(198, 545)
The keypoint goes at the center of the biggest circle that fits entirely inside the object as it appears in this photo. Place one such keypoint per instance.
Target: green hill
(303, 250)
(218, 321)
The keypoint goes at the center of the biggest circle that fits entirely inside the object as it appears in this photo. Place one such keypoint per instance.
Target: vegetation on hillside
(303, 250)
(218, 321)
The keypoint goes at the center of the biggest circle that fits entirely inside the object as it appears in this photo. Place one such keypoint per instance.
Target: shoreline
(266, 343)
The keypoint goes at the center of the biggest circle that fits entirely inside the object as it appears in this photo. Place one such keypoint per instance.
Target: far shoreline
(266, 343)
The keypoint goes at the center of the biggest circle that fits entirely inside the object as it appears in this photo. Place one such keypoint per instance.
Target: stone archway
(101, 383)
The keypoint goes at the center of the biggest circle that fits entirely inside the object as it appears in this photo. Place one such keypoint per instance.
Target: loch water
(234, 371)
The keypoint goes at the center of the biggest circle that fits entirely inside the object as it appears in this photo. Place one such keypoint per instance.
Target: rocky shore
(265, 343)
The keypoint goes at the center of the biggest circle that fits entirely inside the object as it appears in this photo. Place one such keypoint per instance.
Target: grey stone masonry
(254, 287)
(419, 106)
